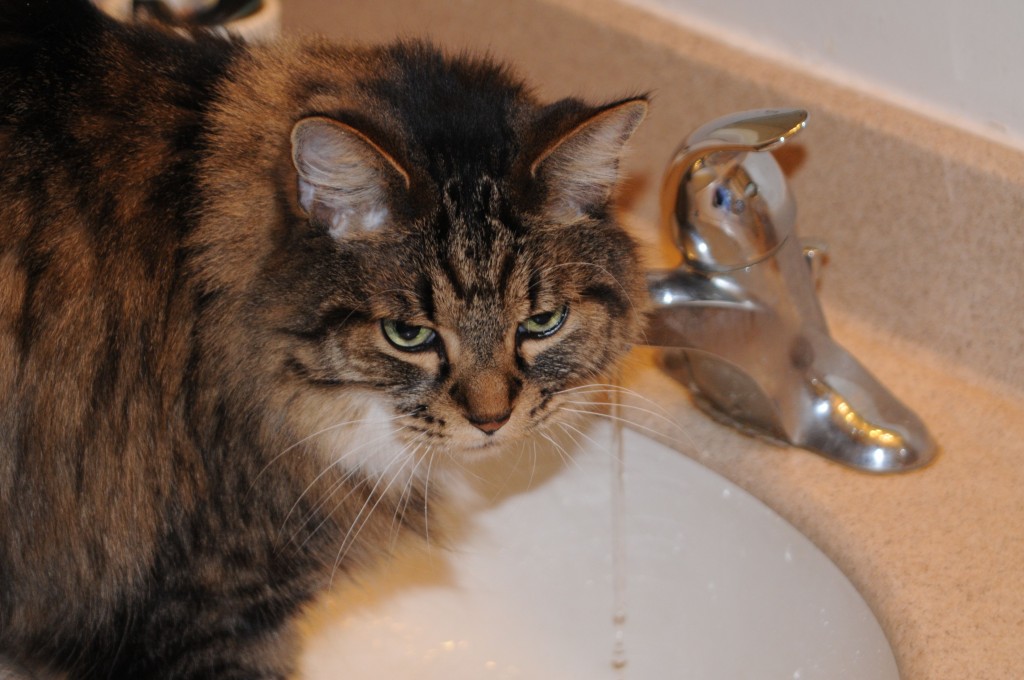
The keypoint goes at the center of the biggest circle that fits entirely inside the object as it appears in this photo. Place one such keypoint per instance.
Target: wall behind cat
(955, 60)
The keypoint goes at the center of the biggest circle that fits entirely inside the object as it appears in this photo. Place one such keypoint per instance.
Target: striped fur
(184, 333)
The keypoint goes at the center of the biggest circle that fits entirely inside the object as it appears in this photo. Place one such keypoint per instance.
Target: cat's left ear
(344, 177)
(581, 167)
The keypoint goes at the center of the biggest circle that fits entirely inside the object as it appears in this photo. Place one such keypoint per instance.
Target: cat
(256, 305)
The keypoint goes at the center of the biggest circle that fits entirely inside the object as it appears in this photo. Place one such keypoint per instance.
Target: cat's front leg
(212, 644)
(231, 661)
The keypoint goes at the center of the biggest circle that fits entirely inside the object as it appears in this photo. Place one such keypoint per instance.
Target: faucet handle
(728, 205)
(758, 130)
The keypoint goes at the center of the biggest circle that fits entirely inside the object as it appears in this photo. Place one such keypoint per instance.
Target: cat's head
(464, 273)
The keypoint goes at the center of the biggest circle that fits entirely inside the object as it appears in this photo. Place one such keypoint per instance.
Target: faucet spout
(739, 321)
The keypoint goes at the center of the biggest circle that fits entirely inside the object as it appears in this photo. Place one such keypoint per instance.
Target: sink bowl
(712, 583)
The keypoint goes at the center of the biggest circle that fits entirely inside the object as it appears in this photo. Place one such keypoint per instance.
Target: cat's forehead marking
(477, 247)
(474, 201)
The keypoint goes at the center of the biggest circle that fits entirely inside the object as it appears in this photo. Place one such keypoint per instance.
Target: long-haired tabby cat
(254, 300)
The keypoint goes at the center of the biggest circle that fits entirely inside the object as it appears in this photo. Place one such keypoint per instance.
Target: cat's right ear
(343, 176)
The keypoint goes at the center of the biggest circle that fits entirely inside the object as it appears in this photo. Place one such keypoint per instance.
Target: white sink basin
(716, 585)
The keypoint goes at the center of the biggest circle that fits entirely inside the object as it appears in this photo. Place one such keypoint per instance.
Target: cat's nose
(489, 424)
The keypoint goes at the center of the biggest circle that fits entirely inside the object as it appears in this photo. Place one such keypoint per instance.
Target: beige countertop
(938, 554)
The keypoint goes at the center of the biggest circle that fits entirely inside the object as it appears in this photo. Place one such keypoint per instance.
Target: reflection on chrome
(739, 318)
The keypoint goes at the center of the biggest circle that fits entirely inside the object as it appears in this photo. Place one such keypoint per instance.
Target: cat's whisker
(615, 389)
(657, 411)
(406, 454)
(329, 428)
(406, 496)
(341, 482)
(615, 404)
(564, 455)
(533, 462)
(338, 462)
(354, 488)
(360, 521)
(431, 453)
(513, 468)
(570, 428)
(609, 416)
(632, 424)
(315, 510)
(455, 460)
(597, 445)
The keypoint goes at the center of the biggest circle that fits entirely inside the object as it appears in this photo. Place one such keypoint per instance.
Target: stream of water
(618, 512)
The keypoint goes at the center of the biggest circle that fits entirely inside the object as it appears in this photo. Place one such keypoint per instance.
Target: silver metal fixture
(739, 319)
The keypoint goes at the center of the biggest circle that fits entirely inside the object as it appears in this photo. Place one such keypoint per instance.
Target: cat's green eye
(407, 337)
(544, 324)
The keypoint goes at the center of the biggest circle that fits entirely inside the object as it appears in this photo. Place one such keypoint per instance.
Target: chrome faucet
(739, 320)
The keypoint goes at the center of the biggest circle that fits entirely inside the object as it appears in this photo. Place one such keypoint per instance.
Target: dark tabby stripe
(611, 296)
